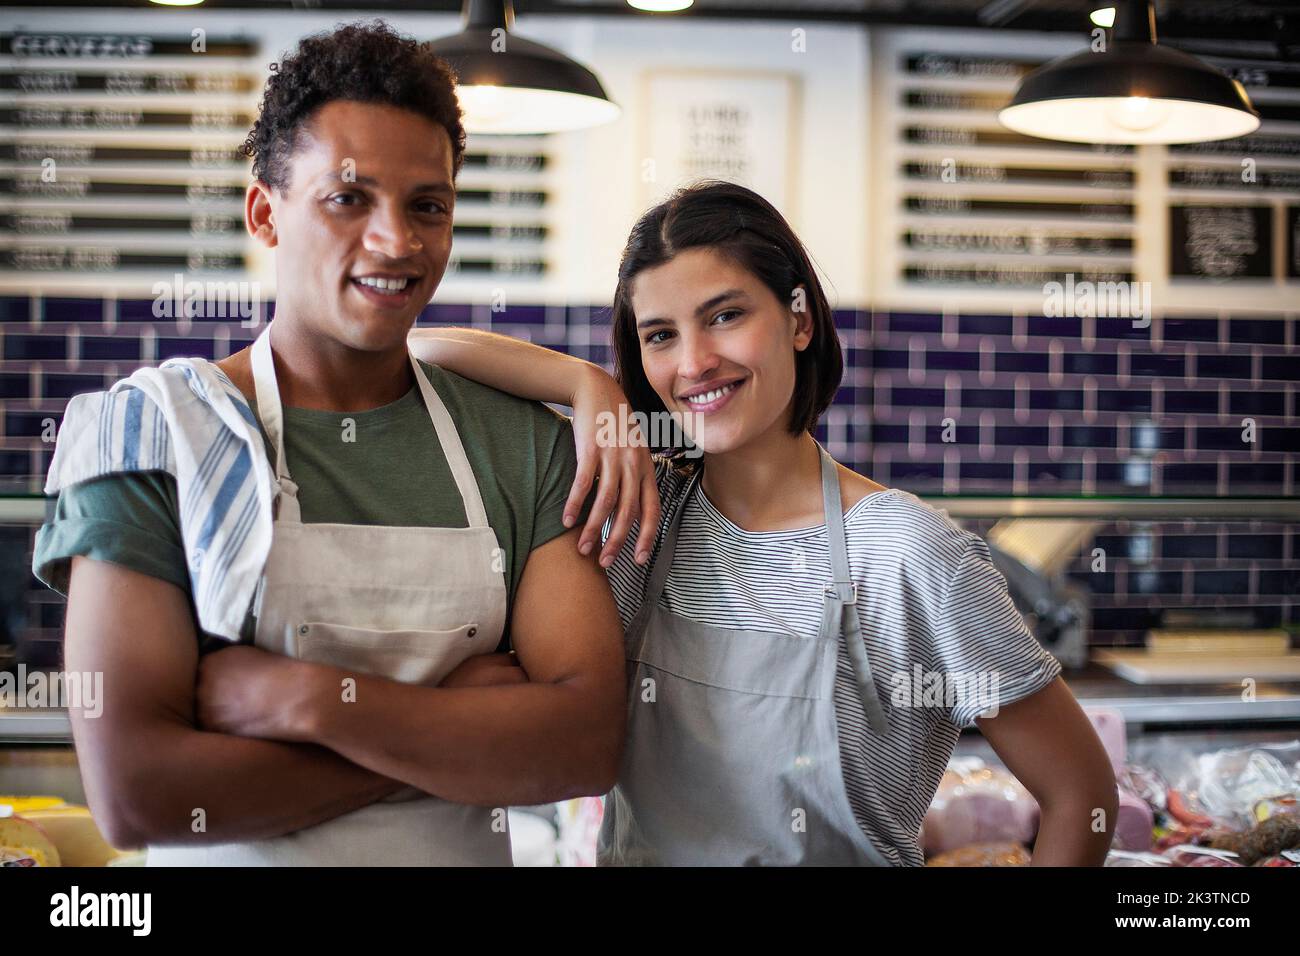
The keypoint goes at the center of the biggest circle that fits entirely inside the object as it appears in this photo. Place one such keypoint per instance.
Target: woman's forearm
(1075, 833)
(505, 363)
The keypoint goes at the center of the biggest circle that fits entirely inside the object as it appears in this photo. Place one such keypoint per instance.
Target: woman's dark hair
(365, 62)
(743, 226)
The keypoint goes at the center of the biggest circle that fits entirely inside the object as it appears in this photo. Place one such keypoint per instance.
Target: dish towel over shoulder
(186, 418)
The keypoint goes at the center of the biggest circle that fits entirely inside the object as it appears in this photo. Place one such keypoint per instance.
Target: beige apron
(408, 604)
(735, 758)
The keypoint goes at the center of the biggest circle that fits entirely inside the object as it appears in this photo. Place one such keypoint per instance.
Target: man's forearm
(505, 363)
(147, 767)
(247, 789)
(521, 744)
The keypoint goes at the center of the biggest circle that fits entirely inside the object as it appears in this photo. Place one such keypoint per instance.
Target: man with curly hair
(394, 636)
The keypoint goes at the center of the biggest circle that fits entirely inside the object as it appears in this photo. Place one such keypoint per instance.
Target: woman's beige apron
(732, 755)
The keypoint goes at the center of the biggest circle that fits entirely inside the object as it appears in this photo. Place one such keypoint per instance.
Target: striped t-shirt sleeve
(626, 577)
(982, 639)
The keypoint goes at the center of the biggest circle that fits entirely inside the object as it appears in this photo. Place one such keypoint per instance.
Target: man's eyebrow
(700, 309)
(336, 176)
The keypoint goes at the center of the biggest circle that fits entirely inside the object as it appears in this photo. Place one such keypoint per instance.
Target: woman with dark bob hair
(804, 645)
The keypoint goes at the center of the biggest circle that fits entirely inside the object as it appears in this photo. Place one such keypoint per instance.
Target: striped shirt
(944, 639)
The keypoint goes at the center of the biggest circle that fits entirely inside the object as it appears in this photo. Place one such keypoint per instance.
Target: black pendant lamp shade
(1135, 91)
(507, 84)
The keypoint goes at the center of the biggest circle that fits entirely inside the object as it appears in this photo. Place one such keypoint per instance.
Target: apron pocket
(738, 660)
(408, 656)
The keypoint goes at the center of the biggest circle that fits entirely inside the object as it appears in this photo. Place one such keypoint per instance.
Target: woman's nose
(696, 358)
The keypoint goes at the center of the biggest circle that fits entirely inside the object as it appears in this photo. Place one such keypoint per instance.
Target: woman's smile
(714, 399)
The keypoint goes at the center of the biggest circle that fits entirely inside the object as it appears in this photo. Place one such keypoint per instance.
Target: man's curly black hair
(365, 62)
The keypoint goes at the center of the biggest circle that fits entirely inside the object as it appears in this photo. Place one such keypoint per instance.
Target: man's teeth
(383, 285)
(712, 396)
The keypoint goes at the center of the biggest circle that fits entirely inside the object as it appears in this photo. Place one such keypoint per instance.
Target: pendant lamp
(661, 6)
(507, 84)
(1133, 91)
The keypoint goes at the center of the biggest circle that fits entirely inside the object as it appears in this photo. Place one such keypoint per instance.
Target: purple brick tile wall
(933, 403)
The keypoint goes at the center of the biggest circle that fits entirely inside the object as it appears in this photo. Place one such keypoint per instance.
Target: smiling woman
(780, 595)
(718, 251)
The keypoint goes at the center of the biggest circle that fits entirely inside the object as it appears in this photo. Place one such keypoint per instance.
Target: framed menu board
(972, 212)
(1293, 242)
(732, 125)
(983, 207)
(120, 163)
(1228, 198)
(120, 153)
(1221, 242)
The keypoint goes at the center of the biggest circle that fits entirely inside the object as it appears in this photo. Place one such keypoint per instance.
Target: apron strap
(272, 418)
(662, 565)
(841, 597)
(452, 449)
(270, 412)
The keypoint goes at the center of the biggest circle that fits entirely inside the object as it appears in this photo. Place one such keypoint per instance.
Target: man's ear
(802, 314)
(259, 214)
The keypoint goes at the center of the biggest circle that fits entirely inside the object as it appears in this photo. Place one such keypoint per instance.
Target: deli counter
(1205, 735)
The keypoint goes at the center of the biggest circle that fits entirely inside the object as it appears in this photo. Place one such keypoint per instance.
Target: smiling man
(299, 574)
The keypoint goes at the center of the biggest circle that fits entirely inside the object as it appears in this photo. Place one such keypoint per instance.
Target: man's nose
(390, 232)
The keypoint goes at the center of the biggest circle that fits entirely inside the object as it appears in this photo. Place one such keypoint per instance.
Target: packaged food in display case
(984, 854)
(1223, 807)
(974, 804)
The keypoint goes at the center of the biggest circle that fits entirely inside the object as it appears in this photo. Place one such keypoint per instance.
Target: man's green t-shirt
(384, 466)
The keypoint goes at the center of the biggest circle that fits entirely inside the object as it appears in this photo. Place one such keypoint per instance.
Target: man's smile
(387, 290)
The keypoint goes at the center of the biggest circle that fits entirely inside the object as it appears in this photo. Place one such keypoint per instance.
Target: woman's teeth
(712, 396)
(386, 286)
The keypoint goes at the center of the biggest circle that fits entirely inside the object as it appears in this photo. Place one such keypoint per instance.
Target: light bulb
(522, 110)
(1138, 113)
(660, 6)
(485, 101)
(1103, 17)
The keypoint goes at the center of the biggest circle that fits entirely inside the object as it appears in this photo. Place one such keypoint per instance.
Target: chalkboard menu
(1293, 242)
(976, 206)
(119, 159)
(120, 153)
(1225, 196)
(503, 205)
(984, 207)
(1221, 242)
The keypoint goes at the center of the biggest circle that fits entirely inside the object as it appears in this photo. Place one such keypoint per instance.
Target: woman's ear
(802, 315)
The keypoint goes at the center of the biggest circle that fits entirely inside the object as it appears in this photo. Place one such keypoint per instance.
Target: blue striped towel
(186, 418)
